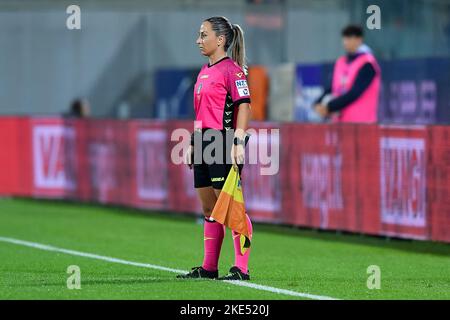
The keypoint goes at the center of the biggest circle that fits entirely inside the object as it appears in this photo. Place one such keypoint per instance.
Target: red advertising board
(182, 195)
(380, 180)
(261, 175)
(403, 182)
(321, 173)
(147, 161)
(9, 156)
(54, 158)
(438, 183)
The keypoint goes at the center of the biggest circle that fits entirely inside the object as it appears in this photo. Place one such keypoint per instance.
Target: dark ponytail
(234, 38)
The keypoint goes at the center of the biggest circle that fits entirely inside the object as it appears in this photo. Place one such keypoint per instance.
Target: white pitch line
(156, 267)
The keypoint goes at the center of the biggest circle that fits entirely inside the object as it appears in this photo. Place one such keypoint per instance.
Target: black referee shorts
(214, 174)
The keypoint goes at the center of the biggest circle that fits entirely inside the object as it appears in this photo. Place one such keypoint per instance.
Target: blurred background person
(80, 108)
(354, 91)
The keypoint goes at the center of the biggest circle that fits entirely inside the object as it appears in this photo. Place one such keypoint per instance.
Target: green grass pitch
(318, 263)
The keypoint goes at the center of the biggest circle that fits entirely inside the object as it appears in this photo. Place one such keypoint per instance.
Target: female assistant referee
(222, 103)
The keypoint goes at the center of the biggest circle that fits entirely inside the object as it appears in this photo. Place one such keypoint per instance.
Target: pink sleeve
(237, 86)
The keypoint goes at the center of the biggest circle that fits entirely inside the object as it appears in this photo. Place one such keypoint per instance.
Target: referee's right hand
(189, 156)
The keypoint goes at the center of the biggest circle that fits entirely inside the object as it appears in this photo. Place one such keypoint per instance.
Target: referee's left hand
(237, 155)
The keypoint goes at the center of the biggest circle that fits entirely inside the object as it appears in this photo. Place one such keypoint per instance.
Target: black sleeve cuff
(319, 100)
(334, 106)
(243, 100)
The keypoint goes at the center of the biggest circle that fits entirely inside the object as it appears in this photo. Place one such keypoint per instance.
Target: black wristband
(237, 141)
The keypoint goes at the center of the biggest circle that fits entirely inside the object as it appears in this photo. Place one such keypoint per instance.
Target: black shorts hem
(204, 174)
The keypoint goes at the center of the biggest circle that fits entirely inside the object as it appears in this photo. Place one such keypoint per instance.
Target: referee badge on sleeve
(242, 87)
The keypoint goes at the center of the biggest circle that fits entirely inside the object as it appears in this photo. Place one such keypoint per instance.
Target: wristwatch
(237, 141)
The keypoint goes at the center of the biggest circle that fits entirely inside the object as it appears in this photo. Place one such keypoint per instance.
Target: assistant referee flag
(230, 209)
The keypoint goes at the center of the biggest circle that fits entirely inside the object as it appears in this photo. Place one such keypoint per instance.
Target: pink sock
(241, 261)
(213, 237)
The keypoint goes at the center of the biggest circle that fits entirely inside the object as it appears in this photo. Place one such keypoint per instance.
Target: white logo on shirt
(242, 87)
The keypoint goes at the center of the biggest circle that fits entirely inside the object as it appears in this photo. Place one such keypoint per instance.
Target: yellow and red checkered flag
(230, 209)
